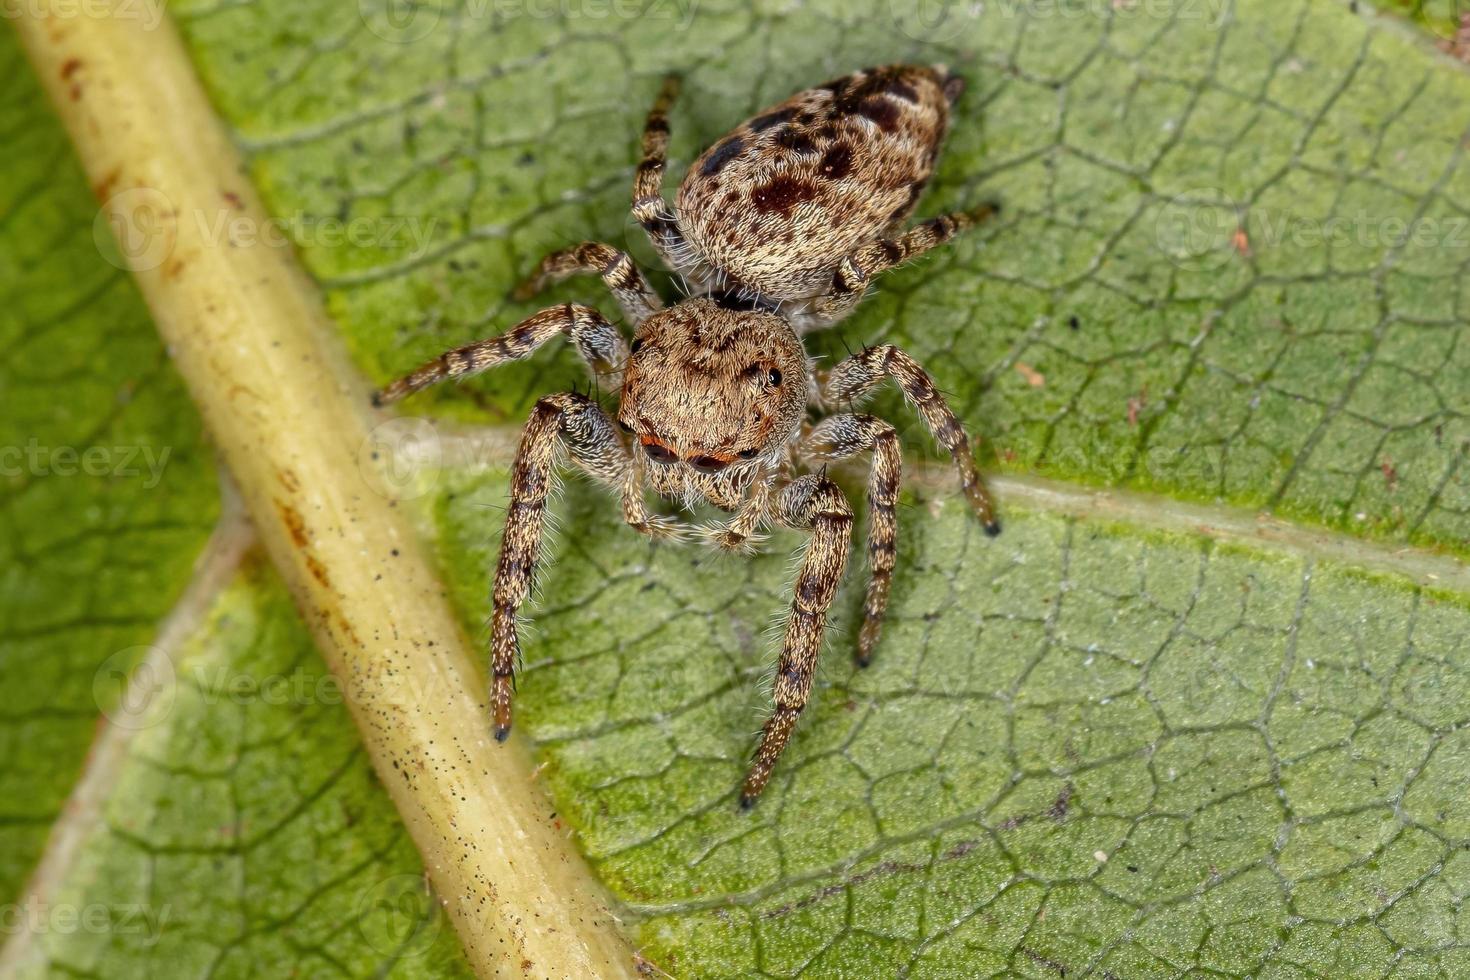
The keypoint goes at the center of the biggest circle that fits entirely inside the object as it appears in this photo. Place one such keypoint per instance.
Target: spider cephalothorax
(779, 228)
(710, 393)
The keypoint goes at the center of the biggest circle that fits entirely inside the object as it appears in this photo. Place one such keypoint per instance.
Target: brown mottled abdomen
(778, 202)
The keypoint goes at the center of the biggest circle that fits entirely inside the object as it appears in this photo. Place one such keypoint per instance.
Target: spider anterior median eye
(709, 464)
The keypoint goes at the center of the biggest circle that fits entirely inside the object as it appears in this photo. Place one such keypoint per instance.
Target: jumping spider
(777, 229)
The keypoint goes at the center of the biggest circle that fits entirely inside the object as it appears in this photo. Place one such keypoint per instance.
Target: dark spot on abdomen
(762, 123)
(795, 141)
(722, 155)
(782, 195)
(883, 112)
(836, 162)
(900, 88)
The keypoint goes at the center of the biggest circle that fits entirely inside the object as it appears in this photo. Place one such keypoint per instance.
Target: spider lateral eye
(637, 345)
(624, 426)
(748, 453)
(774, 377)
(660, 454)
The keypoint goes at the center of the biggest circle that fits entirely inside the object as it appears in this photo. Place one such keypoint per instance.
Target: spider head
(709, 386)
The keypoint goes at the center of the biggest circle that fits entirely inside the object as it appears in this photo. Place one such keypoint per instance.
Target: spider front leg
(842, 437)
(577, 422)
(855, 377)
(855, 271)
(741, 533)
(814, 504)
(649, 207)
(618, 271)
(598, 341)
(635, 509)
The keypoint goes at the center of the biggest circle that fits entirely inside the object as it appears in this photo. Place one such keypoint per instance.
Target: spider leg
(851, 379)
(578, 423)
(842, 437)
(617, 269)
(649, 207)
(814, 504)
(597, 340)
(856, 270)
(742, 532)
(635, 509)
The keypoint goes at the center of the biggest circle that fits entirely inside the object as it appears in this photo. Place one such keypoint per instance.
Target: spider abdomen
(774, 205)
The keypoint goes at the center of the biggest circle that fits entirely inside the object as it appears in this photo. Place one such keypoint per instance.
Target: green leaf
(241, 829)
(245, 834)
(1085, 746)
(106, 492)
(1119, 742)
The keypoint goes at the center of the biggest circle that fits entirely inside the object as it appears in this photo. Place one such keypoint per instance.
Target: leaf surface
(245, 834)
(1231, 271)
(1086, 749)
(106, 491)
